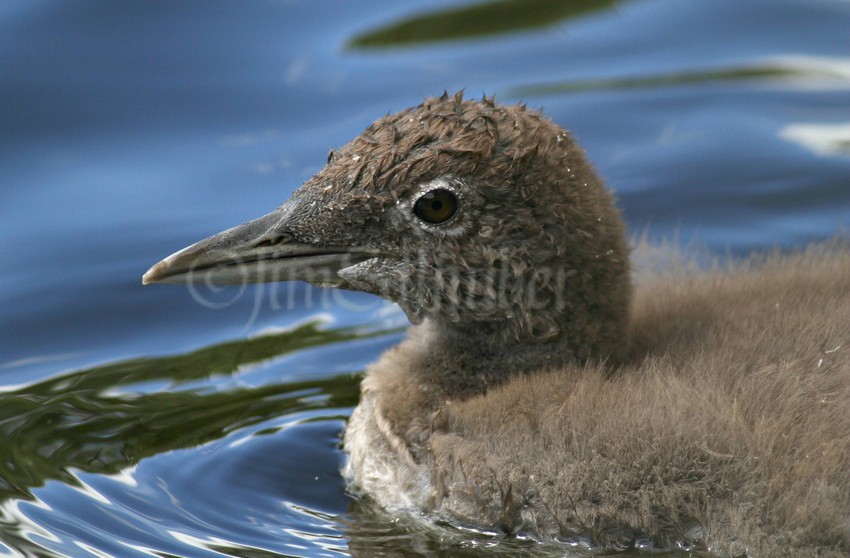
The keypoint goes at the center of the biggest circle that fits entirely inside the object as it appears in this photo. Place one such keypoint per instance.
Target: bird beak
(259, 251)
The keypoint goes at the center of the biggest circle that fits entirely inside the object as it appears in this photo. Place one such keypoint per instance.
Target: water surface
(170, 422)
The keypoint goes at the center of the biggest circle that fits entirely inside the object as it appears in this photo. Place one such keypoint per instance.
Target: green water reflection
(477, 20)
(769, 71)
(102, 419)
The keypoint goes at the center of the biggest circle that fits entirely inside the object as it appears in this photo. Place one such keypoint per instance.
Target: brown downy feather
(734, 415)
(725, 426)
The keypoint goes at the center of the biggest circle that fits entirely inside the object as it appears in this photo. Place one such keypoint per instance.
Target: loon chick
(536, 394)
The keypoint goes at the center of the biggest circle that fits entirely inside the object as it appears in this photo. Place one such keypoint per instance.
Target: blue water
(169, 422)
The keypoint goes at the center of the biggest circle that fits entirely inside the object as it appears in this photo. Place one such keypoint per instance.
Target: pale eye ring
(436, 206)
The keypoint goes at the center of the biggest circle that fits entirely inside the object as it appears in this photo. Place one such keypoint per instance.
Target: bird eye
(437, 206)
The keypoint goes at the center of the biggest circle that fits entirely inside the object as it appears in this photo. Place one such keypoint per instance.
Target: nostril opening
(272, 241)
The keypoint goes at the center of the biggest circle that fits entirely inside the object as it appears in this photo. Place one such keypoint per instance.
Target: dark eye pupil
(437, 206)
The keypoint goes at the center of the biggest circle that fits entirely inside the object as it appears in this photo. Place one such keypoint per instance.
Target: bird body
(728, 427)
(539, 392)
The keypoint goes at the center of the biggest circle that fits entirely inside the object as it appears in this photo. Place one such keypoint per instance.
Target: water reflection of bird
(536, 394)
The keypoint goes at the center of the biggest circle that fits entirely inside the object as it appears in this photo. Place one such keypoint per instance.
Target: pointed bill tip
(159, 271)
(151, 275)
(178, 267)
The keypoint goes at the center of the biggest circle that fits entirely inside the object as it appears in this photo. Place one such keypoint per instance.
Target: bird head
(467, 213)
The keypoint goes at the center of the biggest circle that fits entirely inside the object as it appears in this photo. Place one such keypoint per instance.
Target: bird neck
(461, 361)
